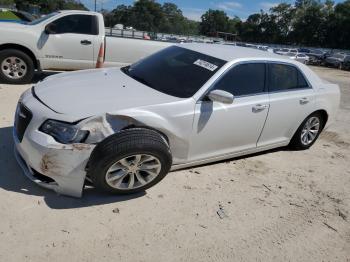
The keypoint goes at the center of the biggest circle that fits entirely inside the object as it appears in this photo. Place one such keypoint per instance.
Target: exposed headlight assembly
(62, 132)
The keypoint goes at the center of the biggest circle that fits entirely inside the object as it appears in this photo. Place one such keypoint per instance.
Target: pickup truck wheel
(308, 132)
(130, 161)
(16, 67)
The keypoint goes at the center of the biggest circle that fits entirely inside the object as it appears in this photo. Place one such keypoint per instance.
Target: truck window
(76, 24)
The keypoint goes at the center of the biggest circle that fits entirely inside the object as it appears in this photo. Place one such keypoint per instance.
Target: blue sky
(193, 9)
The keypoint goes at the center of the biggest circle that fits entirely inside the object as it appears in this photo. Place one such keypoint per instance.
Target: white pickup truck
(64, 40)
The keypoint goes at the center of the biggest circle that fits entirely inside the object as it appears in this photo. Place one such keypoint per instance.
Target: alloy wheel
(133, 171)
(310, 130)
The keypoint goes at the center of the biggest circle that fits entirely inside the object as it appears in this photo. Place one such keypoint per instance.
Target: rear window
(175, 71)
(285, 77)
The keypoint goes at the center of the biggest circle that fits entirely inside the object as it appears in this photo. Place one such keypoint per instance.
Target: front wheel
(308, 132)
(16, 67)
(130, 161)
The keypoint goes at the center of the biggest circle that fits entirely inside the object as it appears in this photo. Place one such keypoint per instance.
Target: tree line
(307, 22)
(45, 6)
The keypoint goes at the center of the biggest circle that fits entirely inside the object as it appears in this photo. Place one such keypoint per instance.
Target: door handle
(258, 108)
(304, 101)
(85, 42)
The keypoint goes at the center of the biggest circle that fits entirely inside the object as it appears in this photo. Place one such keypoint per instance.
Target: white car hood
(92, 92)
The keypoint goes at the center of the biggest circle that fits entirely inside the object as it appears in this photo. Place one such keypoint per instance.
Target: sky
(193, 9)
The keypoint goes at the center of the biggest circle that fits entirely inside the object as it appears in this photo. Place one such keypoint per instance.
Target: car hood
(92, 92)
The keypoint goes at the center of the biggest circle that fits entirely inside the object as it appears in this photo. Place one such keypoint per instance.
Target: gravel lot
(277, 206)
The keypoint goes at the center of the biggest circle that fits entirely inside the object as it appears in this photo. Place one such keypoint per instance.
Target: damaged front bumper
(56, 166)
(52, 165)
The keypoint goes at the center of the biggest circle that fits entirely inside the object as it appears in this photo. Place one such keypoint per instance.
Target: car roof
(230, 53)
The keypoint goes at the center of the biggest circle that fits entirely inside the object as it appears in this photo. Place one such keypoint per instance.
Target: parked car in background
(64, 40)
(286, 51)
(302, 58)
(316, 57)
(346, 63)
(186, 105)
(337, 60)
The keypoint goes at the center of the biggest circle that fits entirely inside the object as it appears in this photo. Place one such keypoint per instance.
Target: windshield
(41, 19)
(175, 71)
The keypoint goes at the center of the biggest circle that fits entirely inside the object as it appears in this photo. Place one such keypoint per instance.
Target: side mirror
(221, 96)
(50, 29)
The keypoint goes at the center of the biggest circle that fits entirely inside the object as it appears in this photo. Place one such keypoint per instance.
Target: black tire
(27, 77)
(124, 144)
(296, 142)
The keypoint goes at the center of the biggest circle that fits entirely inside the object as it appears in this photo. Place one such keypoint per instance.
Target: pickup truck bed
(123, 51)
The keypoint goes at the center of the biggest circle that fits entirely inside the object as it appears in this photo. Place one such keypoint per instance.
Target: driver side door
(70, 45)
(222, 129)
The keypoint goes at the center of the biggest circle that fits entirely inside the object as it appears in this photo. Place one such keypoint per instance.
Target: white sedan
(302, 58)
(124, 129)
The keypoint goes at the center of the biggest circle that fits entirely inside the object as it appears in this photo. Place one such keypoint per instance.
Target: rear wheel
(130, 161)
(308, 132)
(16, 67)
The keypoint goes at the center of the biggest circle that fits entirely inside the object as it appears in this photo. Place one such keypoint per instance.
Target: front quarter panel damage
(173, 123)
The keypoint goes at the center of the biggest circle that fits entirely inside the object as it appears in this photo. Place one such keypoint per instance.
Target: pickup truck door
(222, 129)
(69, 42)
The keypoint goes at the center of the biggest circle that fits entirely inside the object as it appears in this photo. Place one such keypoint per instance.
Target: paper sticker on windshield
(205, 65)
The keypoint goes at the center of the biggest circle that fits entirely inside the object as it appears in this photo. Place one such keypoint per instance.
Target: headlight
(64, 133)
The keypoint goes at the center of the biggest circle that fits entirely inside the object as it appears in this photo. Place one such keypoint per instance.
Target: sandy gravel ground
(276, 206)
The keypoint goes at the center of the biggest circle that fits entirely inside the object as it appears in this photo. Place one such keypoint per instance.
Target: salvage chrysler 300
(124, 129)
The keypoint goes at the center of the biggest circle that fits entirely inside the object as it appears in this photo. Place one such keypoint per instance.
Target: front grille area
(22, 120)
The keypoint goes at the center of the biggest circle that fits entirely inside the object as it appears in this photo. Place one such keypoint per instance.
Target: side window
(243, 79)
(76, 24)
(285, 77)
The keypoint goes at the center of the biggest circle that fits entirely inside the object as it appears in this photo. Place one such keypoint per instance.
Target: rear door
(71, 44)
(291, 98)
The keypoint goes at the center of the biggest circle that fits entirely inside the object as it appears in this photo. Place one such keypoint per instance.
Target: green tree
(342, 24)
(48, 6)
(7, 2)
(214, 21)
(307, 25)
(146, 15)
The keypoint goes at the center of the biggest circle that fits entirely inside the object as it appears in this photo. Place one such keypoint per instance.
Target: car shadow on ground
(12, 179)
